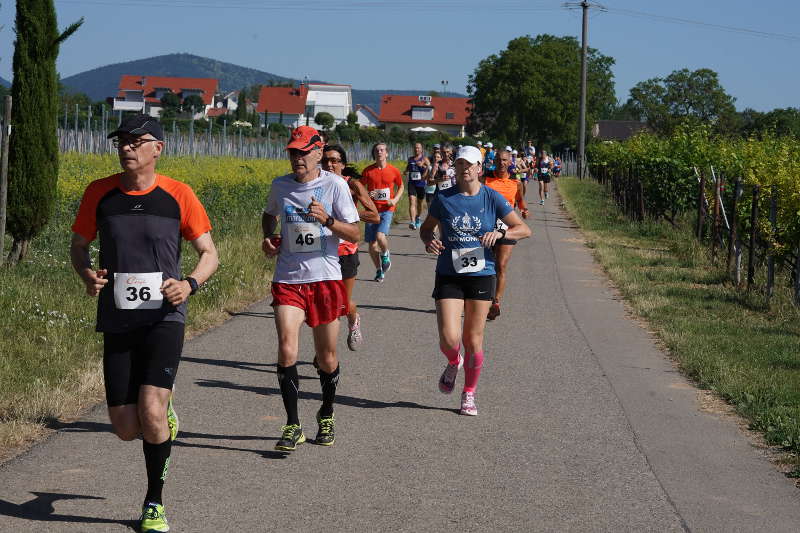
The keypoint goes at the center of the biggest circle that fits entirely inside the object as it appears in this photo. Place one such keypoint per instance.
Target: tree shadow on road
(350, 401)
(41, 509)
(396, 308)
(241, 365)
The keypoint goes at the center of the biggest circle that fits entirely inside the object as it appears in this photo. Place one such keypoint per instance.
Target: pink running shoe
(447, 381)
(468, 406)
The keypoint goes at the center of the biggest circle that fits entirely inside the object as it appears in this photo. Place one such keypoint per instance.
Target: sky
(415, 44)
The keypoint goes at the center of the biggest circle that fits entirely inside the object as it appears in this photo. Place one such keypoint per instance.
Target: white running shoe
(354, 337)
(468, 406)
(447, 381)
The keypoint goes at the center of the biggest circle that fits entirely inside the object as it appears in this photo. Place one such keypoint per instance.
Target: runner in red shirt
(385, 185)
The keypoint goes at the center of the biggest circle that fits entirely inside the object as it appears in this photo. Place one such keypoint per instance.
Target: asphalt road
(584, 425)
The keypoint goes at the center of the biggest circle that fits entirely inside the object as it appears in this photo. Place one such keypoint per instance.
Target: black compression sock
(289, 382)
(156, 460)
(328, 383)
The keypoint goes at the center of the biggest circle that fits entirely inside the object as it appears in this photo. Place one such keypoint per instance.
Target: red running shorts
(323, 301)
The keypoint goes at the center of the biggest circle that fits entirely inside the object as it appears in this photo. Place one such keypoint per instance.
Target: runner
(511, 190)
(140, 217)
(545, 165)
(334, 159)
(530, 150)
(465, 278)
(481, 148)
(385, 186)
(556, 167)
(416, 169)
(442, 173)
(316, 209)
(488, 160)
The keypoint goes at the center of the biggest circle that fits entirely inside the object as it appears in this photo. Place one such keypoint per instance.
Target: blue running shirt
(462, 220)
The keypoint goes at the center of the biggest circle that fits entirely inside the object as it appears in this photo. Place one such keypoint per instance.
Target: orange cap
(305, 138)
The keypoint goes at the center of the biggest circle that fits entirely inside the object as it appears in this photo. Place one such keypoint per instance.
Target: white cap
(508, 148)
(514, 152)
(489, 145)
(469, 153)
(480, 143)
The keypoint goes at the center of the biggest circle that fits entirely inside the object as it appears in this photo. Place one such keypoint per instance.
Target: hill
(4, 82)
(102, 82)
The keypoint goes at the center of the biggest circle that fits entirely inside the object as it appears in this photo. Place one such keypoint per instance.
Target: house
(367, 117)
(143, 93)
(296, 106)
(445, 114)
(617, 130)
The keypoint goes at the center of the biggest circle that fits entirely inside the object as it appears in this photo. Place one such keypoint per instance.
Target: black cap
(139, 125)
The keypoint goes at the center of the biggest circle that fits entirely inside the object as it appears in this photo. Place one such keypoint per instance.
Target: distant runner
(488, 160)
(385, 186)
(511, 190)
(334, 159)
(140, 217)
(557, 167)
(545, 165)
(416, 169)
(465, 216)
(315, 209)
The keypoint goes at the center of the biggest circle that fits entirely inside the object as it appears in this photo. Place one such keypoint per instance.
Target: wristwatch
(329, 222)
(502, 231)
(192, 283)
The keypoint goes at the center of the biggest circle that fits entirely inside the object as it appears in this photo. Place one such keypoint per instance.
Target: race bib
(466, 260)
(415, 176)
(381, 195)
(500, 225)
(304, 237)
(444, 185)
(138, 291)
(544, 170)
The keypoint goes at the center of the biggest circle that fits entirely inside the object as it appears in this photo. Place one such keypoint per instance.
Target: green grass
(725, 339)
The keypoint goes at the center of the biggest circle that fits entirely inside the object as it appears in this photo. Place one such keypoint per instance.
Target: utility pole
(5, 135)
(585, 6)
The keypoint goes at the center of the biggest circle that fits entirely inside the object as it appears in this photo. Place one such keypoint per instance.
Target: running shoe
(292, 435)
(379, 276)
(172, 419)
(546, 195)
(354, 337)
(417, 223)
(494, 311)
(541, 202)
(386, 263)
(468, 406)
(325, 433)
(153, 519)
(412, 225)
(447, 381)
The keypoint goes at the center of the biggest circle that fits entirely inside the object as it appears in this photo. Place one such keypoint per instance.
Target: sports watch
(192, 283)
(329, 222)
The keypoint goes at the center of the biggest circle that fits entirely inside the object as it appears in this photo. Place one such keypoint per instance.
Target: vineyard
(744, 194)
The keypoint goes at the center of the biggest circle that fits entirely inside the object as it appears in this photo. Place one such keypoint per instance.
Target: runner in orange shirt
(385, 185)
(511, 190)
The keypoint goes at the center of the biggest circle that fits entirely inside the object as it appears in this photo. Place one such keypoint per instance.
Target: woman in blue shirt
(466, 216)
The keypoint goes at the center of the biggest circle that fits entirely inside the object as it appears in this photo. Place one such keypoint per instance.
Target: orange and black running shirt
(140, 232)
(505, 186)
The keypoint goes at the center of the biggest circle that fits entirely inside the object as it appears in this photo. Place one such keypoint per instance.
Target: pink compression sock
(451, 354)
(472, 371)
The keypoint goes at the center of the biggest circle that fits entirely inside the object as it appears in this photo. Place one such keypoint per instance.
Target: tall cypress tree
(33, 156)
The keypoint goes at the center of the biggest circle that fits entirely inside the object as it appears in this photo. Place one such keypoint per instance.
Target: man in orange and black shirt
(511, 189)
(140, 218)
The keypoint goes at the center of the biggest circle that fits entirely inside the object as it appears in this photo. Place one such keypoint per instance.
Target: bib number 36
(467, 260)
(138, 290)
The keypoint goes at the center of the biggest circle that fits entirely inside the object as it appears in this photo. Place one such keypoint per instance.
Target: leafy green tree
(325, 120)
(193, 101)
(241, 107)
(33, 156)
(531, 90)
(352, 119)
(171, 105)
(278, 129)
(693, 97)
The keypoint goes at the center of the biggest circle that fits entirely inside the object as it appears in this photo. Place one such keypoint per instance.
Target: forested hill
(102, 82)
(4, 82)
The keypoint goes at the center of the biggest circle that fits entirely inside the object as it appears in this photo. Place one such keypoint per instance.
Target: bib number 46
(306, 239)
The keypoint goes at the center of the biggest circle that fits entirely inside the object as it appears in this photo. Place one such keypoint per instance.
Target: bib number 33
(467, 260)
(138, 290)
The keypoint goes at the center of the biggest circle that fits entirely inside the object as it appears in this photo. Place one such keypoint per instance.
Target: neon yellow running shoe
(291, 436)
(325, 434)
(172, 420)
(153, 519)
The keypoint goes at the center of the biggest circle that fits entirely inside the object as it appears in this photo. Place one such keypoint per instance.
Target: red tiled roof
(367, 109)
(397, 108)
(129, 82)
(289, 100)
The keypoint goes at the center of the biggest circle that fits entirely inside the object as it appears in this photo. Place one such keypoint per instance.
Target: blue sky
(415, 44)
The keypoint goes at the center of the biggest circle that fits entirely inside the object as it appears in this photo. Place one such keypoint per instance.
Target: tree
(193, 101)
(170, 105)
(33, 156)
(241, 106)
(352, 119)
(325, 120)
(531, 90)
(683, 96)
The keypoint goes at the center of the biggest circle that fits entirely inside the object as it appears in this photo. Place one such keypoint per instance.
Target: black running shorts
(349, 264)
(544, 178)
(416, 191)
(148, 355)
(464, 287)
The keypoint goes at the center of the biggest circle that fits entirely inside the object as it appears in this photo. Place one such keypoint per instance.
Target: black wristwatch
(192, 283)
(502, 231)
(329, 222)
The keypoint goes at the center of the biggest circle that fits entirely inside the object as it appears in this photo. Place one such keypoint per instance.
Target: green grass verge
(725, 339)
